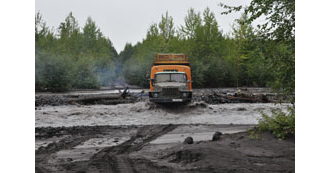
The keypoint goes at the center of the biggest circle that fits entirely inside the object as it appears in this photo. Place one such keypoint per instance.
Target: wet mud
(112, 97)
(139, 149)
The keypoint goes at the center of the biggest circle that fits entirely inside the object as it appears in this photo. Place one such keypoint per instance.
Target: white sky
(128, 20)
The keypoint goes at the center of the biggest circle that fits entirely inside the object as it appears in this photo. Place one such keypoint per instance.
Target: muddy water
(73, 93)
(145, 113)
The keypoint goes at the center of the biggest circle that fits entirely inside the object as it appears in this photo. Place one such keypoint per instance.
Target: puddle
(85, 150)
(44, 142)
(198, 133)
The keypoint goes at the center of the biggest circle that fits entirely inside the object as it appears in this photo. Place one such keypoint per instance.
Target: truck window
(170, 77)
(162, 78)
(178, 78)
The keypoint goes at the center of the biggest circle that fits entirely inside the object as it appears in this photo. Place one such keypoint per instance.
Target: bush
(280, 124)
(84, 76)
(53, 73)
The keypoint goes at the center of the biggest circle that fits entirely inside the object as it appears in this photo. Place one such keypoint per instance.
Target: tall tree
(166, 30)
(90, 34)
(243, 35)
(192, 21)
(69, 27)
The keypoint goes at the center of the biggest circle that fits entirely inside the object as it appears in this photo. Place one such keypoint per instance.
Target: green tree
(69, 27)
(90, 34)
(40, 27)
(201, 37)
(279, 30)
(69, 37)
(83, 58)
(166, 27)
(278, 35)
(192, 21)
(243, 35)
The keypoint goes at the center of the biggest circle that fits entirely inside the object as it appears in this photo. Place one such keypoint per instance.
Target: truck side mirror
(152, 81)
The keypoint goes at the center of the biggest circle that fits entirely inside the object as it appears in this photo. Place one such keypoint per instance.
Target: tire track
(43, 153)
(122, 163)
(116, 159)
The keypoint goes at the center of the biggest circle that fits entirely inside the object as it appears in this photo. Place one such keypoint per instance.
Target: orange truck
(170, 79)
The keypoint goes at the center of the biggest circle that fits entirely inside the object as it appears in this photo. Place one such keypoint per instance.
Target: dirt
(133, 149)
(233, 153)
(131, 135)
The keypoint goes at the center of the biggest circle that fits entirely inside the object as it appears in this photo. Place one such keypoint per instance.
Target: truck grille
(170, 91)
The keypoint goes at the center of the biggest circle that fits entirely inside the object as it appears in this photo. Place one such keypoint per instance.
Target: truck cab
(170, 79)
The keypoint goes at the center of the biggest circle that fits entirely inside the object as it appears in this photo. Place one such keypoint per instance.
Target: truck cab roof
(170, 72)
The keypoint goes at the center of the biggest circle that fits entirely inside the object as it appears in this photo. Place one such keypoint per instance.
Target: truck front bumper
(183, 96)
(170, 100)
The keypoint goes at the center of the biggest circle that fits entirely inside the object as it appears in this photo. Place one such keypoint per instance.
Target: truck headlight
(155, 95)
(185, 94)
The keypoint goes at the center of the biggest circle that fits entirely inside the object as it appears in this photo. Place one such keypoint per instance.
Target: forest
(75, 57)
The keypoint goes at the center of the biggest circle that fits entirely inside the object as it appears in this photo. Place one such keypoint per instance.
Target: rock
(216, 136)
(241, 137)
(188, 140)
(116, 140)
(69, 159)
(241, 109)
(264, 98)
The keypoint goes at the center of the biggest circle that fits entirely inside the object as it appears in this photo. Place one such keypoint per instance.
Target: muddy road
(134, 135)
(159, 148)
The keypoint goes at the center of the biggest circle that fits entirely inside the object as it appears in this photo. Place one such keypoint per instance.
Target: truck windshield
(170, 77)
